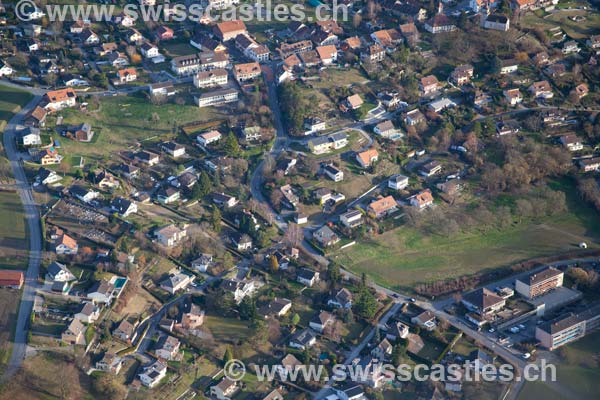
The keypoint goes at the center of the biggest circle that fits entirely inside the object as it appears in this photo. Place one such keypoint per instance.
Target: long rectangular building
(12, 279)
(217, 97)
(568, 328)
(539, 283)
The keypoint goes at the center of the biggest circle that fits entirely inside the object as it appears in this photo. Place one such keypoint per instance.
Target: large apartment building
(539, 283)
(568, 328)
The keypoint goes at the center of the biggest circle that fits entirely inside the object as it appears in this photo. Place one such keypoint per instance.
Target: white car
(526, 356)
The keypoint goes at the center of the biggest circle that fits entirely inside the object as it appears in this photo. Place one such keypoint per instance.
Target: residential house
(153, 374)
(167, 348)
(192, 317)
(570, 47)
(373, 54)
(354, 102)
(125, 331)
(385, 129)
(398, 182)
(149, 51)
(170, 235)
(328, 54)
(382, 207)
(342, 299)
(414, 117)
(581, 90)
(57, 100)
(224, 200)
(289, 197)
(242, 242)
(303, 339)
(541, 90)
(513, 96)
(128, 171)
(367, 158)
(439, 23)
(147, 157)
(162, 89)
(352, 219)
(383, 350)
(65, 244)
(410, 33)
(462, 74)
(324, 144)
(333, 173)
(277, 307)
(572, 142)
(101, 292)
(239, 289)
(206, 138)
(173, 149)
(36, 117)
(225, 389)
(89, 38)
(47, 176)
(590, 164)
(428, 85)
(321, 321)
(110, 363)
(508, 66)
(81, 133)
(504, 128)
(87, 312)
(126, 75)
(422, 199)
(74, 334)
(176, 282)
(30, 136)
(307, 277)
(203, 262)
(425, 320)
(58, 272)
(164, 33)
(5, 69)
(325, 236)
(82, 193)
(397, 331)
(430, 168)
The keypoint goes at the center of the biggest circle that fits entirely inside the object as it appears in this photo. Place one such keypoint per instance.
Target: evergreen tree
(274, 264)
(231, 146)
(216, 219)
(228, 356)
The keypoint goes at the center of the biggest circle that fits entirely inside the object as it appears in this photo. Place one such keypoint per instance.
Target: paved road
(32, 217)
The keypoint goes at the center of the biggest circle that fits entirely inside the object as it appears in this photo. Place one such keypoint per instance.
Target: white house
(88, 313)
(170, 235)
(206, 138)
(153, 374)
(58, 272)
(398, 182)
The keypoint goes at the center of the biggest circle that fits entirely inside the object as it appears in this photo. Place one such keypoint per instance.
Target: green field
(578, 372)
(11, 101)
(119, 122)
(404, 257)
(12, 226)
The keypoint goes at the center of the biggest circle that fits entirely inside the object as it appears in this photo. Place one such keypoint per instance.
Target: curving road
(32, 217)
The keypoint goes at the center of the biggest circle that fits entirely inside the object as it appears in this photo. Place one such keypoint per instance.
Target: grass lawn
(119, 122)
(404, 257)
(575, 29)
(11, 101)
(13, 233)
(537, 390)
(229, 328)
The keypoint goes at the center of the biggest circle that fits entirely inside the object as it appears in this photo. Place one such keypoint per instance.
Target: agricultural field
(11, 101)
(13, 231)
(9, 298)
